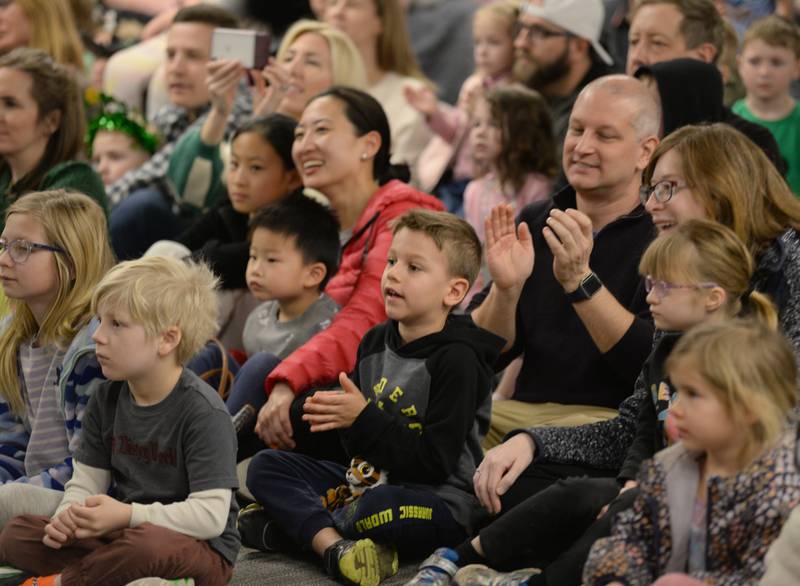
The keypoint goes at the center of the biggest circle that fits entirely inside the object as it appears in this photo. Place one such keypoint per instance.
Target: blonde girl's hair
(161, 292)
(53, 30)
(734, 181)
(699, 251)
(394, 47)
(752, 370)
(77, 224)
(507, 10)
(347, 66)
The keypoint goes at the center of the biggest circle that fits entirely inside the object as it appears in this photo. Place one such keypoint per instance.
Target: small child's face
(123, 348)
(276, 269)
(485, 136)
(494, 45)
(702, 421)
(257, 176)
(767, 70)
(114, 154)
(416, 281)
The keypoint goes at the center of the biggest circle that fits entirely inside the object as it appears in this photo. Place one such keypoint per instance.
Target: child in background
(698, 273)
(710, 506)
(449, 149)
(155, 431)
(117, 142)
(512, 135)
(53, 251)
(294, 252)
(419, 389)
(768, 64)
(260, 172)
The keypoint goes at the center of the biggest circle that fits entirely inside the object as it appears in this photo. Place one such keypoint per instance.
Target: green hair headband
(114, 116)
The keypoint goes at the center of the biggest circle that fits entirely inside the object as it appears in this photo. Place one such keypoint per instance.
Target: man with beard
(558, 52)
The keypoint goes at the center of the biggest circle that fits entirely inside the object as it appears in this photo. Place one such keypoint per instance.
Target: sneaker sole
(366, 563)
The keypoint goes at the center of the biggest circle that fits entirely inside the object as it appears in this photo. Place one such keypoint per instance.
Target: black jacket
(219, 237)
(562, 363)
(429, 401)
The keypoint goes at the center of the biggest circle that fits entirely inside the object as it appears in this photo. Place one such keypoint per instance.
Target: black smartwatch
(586, 290)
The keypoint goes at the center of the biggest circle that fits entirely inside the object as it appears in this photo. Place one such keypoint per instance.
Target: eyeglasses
(663, 191)
(20, 250)
(536, 32)
(662, 288)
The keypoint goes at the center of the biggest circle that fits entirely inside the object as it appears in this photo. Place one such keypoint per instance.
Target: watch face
(591, 285)
(588, 287)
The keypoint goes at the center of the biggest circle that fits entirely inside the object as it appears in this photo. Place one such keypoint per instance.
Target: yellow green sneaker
(361, 562)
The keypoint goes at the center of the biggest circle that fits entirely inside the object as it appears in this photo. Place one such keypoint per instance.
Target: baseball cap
(582, 18)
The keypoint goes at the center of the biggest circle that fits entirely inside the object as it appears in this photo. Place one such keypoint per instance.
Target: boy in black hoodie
(414, 411)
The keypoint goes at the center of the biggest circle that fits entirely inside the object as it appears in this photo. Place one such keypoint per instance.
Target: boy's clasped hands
(336, 409)
(99, 515)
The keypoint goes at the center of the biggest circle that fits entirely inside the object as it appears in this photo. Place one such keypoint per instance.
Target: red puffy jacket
(356, 287)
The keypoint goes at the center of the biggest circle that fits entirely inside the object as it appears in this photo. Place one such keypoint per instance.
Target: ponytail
(759, 306)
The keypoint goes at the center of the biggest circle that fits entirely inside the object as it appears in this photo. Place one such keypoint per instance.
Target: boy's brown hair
(774, 31)
(452, 235)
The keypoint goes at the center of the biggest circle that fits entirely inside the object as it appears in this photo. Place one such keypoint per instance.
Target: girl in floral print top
(711, 505)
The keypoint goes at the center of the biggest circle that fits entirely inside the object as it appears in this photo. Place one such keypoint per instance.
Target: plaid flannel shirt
(171, 122)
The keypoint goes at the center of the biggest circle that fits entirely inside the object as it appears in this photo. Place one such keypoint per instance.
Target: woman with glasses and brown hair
(716, 173)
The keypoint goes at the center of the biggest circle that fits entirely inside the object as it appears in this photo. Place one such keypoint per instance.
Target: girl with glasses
(53, 251)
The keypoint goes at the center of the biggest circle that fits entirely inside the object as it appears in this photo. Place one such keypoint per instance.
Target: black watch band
(586, 290)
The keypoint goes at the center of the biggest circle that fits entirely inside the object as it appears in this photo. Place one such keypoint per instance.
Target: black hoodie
(429, 402)
(691, 92)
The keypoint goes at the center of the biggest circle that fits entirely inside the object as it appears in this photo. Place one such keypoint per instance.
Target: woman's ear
(370, 144)
(50, 123)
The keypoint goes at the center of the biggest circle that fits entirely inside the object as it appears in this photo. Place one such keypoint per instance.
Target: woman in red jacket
(342, 147)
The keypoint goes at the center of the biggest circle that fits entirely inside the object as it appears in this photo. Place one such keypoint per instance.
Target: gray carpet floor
(254, 568)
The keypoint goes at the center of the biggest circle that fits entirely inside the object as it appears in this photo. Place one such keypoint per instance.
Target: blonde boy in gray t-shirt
(156, 434)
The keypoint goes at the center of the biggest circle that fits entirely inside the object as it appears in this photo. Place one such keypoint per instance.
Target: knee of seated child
(148, 541)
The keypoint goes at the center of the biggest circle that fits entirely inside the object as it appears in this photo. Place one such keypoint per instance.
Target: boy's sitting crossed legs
(156, 433)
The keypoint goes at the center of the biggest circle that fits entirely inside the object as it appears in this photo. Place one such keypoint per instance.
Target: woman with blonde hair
(53, 251)
(42, 24)
(312, 57)
(378, 28)
(42, 129)
(714, 172)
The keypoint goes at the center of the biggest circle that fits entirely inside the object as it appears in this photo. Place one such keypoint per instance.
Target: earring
(363, 156)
